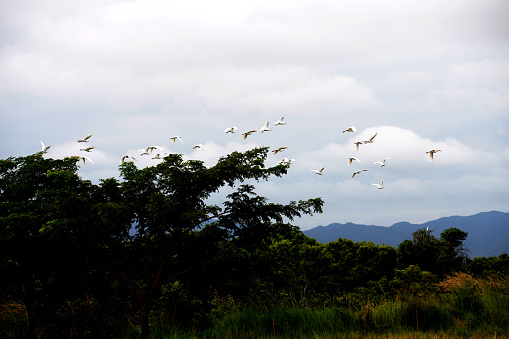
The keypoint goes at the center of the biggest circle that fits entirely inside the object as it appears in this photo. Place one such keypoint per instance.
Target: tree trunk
(28, 301)
(144, 309)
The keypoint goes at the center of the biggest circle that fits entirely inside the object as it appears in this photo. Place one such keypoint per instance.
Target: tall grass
(283, 322)
(481, 304)
(461, 307)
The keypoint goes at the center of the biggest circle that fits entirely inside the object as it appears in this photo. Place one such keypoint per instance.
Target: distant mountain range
(488, 232)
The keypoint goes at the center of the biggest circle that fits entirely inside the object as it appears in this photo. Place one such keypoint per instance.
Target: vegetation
(149, 256)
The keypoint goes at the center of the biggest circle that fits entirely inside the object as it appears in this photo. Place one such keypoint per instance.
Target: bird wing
(373, 137)
(88, 136)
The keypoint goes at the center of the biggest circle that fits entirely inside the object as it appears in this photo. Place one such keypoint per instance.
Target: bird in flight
(175, 137)
(319, 172)
(125, 157)
(280, 121)
(230, 129)
(149, 149)
(285, 161)
(357, 144)
(200, 146)
(380, 186)
(85, 158)
(44, 148)
(382, 163)
(159, 156)
(280, 149)
(265, 127)
(85, 139)
(87, 149)
(357, 172)
(350, 129)
(245, 135)
(431, 152)
(353, 159)
(370, 141)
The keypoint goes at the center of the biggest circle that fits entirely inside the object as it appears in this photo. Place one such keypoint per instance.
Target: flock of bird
(265, 128)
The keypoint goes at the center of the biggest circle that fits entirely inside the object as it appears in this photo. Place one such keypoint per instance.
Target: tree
(147, 230)
(452, 254)
(174, 226)
(43, 207)
(439, 256)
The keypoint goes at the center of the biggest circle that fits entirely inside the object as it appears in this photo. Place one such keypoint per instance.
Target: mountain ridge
(488, 232)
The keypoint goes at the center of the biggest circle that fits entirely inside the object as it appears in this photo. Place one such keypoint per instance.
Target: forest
(148, 255)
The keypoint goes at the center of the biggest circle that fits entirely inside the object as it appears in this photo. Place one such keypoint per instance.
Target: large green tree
(145, 230)
(161, 224)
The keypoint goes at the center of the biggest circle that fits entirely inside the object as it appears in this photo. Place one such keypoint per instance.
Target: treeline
(79, 259)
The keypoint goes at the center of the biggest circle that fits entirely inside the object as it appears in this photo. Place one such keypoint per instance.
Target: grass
(461, 307)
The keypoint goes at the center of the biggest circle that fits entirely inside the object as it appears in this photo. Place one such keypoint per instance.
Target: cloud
(423, 75)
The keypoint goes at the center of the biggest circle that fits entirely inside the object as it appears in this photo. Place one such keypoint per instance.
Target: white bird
(159, 156)
(319, 172)
(143, 151)
(285, 161)
(431, 152)
(85, 139)
(280, 149)
(149, 149)
(350, 129)
(357, 144)
(357, 172)
(125, 157)
(265, 127)
(280, 121)
(380, 186)
(175, 137)
(195, 147)
(230, 129)
(87, 149)
(370, 141)
(382, 163)
(44, 148)
(353, 159)
(245, 135)
(85, 158)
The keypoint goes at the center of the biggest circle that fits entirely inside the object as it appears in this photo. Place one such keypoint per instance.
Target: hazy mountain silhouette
(488, 232)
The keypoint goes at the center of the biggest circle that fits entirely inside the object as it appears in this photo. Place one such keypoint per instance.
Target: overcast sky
(423, 74)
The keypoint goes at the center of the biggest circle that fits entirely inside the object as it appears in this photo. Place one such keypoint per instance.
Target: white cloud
(424, 75)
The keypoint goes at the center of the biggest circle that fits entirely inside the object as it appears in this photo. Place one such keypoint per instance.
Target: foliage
(151, 251)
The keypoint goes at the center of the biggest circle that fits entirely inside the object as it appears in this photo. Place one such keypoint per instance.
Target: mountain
(488, 232)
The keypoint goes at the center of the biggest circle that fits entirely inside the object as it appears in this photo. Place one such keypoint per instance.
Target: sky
(422, 74)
